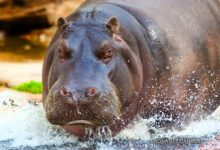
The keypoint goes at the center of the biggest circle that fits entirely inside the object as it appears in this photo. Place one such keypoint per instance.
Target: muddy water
(20, 49)
(23, 126)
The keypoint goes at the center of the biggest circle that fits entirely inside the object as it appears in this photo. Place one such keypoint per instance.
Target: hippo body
(112, 60)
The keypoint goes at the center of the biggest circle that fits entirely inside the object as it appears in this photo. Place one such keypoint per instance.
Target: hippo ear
(61, 23)
(113, 25)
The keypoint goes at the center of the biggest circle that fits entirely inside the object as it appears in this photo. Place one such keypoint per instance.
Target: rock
(27, 18)
(20, 16)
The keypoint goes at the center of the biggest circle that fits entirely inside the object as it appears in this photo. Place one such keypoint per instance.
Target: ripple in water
(23, 126)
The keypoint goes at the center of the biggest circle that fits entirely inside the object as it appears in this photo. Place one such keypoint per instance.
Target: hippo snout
(89, 104)
(79, 97)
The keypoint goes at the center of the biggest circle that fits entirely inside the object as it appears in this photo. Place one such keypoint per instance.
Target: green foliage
(32, 87)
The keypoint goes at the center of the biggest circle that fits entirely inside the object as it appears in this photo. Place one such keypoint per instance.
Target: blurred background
(26, 28)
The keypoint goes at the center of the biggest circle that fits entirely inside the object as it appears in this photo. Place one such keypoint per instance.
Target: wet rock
(12, 102)
(33, 103)
(4, 103)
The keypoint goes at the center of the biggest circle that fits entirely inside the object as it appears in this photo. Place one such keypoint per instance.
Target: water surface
(23, 126)
(20, 49)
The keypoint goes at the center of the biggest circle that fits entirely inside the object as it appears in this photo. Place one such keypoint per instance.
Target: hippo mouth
(80, 122)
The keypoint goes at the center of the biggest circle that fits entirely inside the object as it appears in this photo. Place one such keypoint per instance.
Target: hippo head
(90, 75)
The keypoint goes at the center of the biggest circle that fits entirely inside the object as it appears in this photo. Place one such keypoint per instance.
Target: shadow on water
(19, 49)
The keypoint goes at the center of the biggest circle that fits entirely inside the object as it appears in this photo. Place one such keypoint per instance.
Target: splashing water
(23, 125)
(103, 133)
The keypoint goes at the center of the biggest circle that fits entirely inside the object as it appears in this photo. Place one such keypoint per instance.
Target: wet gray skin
(83, 89)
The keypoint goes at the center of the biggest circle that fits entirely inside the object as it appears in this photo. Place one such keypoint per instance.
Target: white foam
(27, 125)
(139, 129)
(201, 128)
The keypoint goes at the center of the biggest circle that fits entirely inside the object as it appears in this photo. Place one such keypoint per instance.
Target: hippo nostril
(64, 92)
(90, 92)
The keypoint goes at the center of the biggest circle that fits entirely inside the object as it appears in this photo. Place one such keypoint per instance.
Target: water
(23, 126)
(20, 49)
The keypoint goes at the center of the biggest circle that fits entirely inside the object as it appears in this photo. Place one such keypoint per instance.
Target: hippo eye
(106, 54)
(64, 53)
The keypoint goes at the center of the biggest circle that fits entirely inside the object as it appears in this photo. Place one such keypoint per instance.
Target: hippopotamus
(115, 60)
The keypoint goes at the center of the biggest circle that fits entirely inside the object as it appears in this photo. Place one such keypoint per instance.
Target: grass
(31, 87)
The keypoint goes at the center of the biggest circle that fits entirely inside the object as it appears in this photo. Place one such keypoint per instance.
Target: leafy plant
(31, 87)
